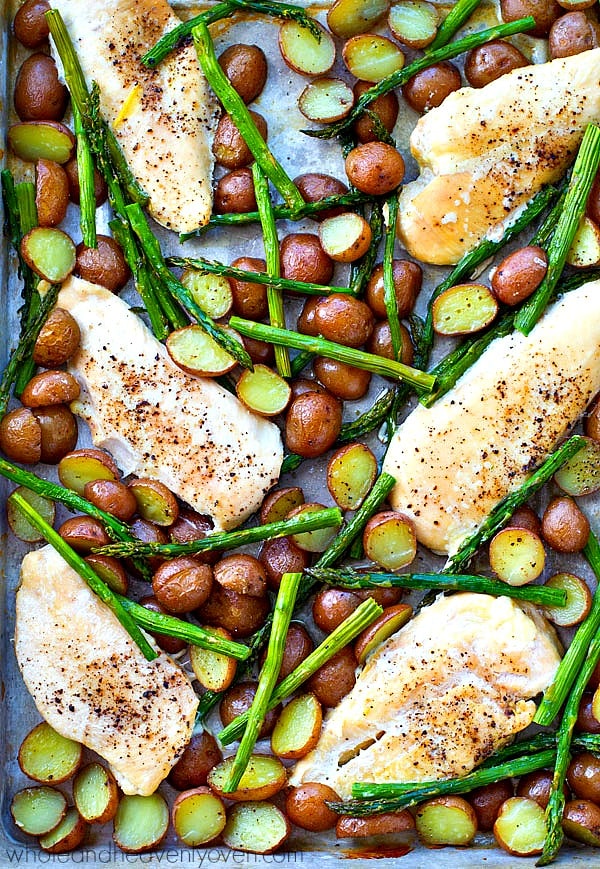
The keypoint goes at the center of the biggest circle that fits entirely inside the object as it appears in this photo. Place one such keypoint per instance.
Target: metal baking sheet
(17, 711)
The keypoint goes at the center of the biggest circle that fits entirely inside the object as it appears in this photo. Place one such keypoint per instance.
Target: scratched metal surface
(17, 711)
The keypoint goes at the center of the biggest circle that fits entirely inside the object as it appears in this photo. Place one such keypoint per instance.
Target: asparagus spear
(176, 37)
(400, 77)
(271, 243)
(300, 362)
(571, 664)
(361, 272)
(240, 115)
(389, 289)
(281, 212)
(350, 628)
(541, 742)
(328, 517)
(460, 12)
(349, 578)
(284, 606)
(174, 627)
(584, 172)
(290, 463)
(502, 512)
(86, 573)
(85, 171)
(358, 358)
(278, 283)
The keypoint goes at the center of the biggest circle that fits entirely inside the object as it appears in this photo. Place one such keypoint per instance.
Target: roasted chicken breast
(455, 461)
(160, 422)
(90, 681)
(164, 119)
(485, 152)
(438, 697)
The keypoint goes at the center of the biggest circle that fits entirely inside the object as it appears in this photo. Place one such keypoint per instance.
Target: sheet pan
(17, 711)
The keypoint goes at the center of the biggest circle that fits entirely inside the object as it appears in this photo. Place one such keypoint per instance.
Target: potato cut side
(303, 52)
(67, 836)
(413, 22)
(155, 502)
(372, 58)
(278, 504)
(580, 475)
(36, 811)
(389, 540)
(256, 827)
(345, 237)
(110, 571)
(197, 353)
(348, 18)
(19, 525)
(351, 473)
(464, 309)
(391, 620)
(212, 293)
(215, 672)
(41, 140)
(446, 821)
(263, 778)
(49, 252)
(198, 816)
(96, 794)
(298, 728)
(140, 823)
(520, 827)
(263, 391)
(81, 467)
(325, 100)
(46, 756)
(579, 600)
(517, 555)
(311, 541)
(377, 825)
(584, 252)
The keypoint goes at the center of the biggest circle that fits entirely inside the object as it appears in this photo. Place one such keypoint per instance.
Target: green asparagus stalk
(369, 420)
(271, 244)
(584, 172)
(328, 517)
(556, 803)
(300, 362)
(114, 527)
(279, 283)
(176, 37)
(350, 628)
(460, 12)
(541, 742)
(284, 607)
(21, 355)
(571, 664)
(86, 573)
(151, 247)
(349, 578)
(361, 271)
(240, 115)
(85, 171)
(281, 212)
(389, 289)
(290, 463)
(545, 231)
(12, 223)
(331, 350)
(174, 627)
(400, 77)
(502, 512)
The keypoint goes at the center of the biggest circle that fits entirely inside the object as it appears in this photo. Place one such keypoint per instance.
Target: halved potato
(67, 836)
(389, 540)
(155, 502)
(371, 58)
(311, 541)
(197, 352)
(263, 778)
(96, 794)
(303, 52)
(517, 555)
(464, 309)
(279, 502)
(348, 18)
(520, 827)
(214, 671)
(446, 821)
(84, 466)
(263, 391)
(351, 472)
(49, 252)
(46, 756)
(376, 825)
(580, 475)
(584, 252)
(19, 524)
(579, 600)
(345, 237)
(298, 727)
(325, 100)
(413, 22)
(391, 620)
(141, 823)
(38, 810)
(212, 293)
(41, 140)
(256, 827)
(581, 821)
(198, 816)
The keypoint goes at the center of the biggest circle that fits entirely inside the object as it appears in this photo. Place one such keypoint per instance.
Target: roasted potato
(303, 259)
(429, 88)
(104, 265)
(488, 62)
(50, 387)
(344, 319)
(58, 340)
(30, 26)
(313, 423)
(375, 168)
(39, 94)
(51, 192)
(234, 193)
(246, 68)
(229, 148)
